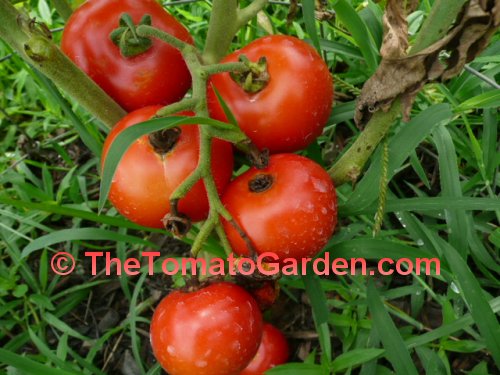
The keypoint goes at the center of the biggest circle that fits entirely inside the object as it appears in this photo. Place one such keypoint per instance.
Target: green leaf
(297, 369)
(462, 346)
(427, 204)
(450, 187)
(309, 12)
(19, 291)
(63, 327)
(42, 301)
(359, 31)
(472, 294)
(81, 234)
(490, 99)
(495, 237)
(320, 310)
(340, 49)
(342, 112)
(396, 351)
(44, 10)
(89, 138)
(29, 366)
(355, 358)
(73, 212)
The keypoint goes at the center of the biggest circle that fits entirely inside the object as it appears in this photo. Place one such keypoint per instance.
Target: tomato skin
(213, 331)
(294, 218)
(158, 76)
(144, 181)
(273, 351)
(291, 111)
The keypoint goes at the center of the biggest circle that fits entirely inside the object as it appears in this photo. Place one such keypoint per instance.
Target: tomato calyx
(260, 183)
(125, 36)
(175, 222)
(256, 78)
(164, 140)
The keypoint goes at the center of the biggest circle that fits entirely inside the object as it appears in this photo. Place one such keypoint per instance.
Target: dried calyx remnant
(402, 75)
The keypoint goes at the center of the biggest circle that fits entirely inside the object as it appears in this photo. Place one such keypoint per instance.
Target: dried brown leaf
(403, 76)
(395, 40)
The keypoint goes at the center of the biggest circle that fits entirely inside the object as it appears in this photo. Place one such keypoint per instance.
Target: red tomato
(291, 111)
(157, 76)
(144, 180)
(215, 330)
(288, 208)
(273, 351)
(266, 294)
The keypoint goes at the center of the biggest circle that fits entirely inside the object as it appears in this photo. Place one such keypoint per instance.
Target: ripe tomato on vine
(152, 72)
(145, 178)
(286, 104)
(273, 350)
(288, 208)
(214, 330)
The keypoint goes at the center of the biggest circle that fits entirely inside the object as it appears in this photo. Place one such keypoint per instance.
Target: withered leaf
(402, 76)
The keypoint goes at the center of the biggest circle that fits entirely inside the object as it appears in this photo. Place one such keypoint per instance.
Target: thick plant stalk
(226, 19)
(38, 50)
(350, 165)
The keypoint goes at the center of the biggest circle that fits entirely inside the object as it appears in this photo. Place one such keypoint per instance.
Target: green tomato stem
(152, 32)
(39, 51)
(171, 109)
(223, 239)
(226, 67)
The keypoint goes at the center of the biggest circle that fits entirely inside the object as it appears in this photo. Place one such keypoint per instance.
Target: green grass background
(443, 201)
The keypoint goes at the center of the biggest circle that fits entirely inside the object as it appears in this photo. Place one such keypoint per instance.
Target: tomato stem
(225, 67)
(152, 32)
(200, 73)
(183, 105)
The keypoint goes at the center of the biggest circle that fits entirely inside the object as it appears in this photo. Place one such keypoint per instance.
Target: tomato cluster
(285, 205)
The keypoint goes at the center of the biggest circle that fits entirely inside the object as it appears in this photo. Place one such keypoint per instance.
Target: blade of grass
(340, 49)
(427, 204)
(90, 139)
(472, 294)
(450, 187)
(80, 234)
(308, 11)
(73, 212)
(396, 351)
(355, 358)
(359, 31)
(489, 99)
(321, 312)
(29, 366)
